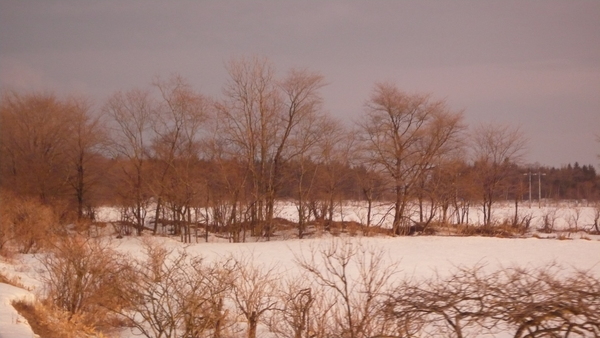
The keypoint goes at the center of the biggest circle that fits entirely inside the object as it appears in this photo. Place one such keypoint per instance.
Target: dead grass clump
(563, 237)
(47, 321)
(37, 318)
(464, 229)
(503, 230)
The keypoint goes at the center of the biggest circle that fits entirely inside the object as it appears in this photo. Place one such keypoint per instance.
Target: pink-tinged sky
(532, 64)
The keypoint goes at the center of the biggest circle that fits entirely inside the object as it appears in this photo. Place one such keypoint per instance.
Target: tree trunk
(157, 215)
(252, 324)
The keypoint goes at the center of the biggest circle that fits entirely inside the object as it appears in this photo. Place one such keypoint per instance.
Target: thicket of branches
(527, 302)
(172, 159)
(343, 288)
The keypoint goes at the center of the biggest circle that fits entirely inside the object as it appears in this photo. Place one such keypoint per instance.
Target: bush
(25, 224)
(548, 301)
(171, 294)
(82, 280)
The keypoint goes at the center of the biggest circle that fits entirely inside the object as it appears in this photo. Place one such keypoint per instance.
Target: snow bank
(13, 325)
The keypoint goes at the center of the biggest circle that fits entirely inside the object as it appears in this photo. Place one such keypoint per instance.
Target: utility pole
(529, 174)
(539, 173)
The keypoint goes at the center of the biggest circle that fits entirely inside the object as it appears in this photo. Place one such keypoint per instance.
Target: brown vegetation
(168, 156)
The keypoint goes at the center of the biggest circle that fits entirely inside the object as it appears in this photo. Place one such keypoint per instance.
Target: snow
(419, 256)
(13, 325)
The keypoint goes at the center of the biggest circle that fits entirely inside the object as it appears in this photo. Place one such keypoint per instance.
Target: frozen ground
(418, 256)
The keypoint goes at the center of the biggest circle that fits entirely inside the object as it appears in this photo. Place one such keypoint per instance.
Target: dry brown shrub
(25, 224)
(47, 321)
(36, 317)
(501, 230)
(82, 279)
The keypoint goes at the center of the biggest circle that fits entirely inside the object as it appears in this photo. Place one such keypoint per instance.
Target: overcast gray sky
(533, 64)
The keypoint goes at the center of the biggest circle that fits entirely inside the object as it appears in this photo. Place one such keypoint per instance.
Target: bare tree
(51, 150)
(596, 223)
(335, 156)
(87, 137)
(303, 170)
(227, 185)
(131, 116)
(260, 116)
(548, 220)
(178, 122)
(304, 310)
(356, 275)
(495, 149)
(291, 318)
(404, 135)
(573, 219)
(253, 291)
(152, 293)
(302, 174)
(372, 186)
(444, 185)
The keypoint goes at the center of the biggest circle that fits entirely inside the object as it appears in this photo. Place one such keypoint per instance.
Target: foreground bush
(83, 278)
(544, 302)
(25, 224)
(171, 294)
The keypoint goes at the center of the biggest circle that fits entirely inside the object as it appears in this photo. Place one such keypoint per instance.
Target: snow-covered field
(565, 214)
(419, 256)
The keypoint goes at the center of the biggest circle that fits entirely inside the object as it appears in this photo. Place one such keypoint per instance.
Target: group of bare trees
(406, 137)
(344, 288)
(175, 160)
(49, 148)
(155, 142)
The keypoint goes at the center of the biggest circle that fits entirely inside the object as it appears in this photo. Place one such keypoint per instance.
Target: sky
(534, 65)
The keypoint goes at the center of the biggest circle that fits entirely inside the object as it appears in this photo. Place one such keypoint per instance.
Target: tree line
(168, 156)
